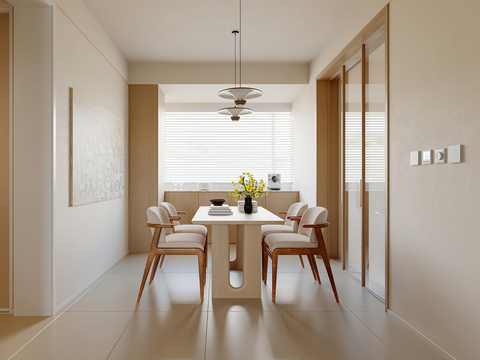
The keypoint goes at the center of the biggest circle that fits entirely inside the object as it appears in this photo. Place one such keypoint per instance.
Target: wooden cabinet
(189, 201)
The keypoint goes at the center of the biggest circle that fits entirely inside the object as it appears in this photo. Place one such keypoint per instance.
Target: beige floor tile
(300, 292)
(132, 262)
(163, 335)
(77, 336)
(16, 331)
(176, 292)
(115, 292)
(181, 263)
(250, 305)
(291, 263)
(402, 341)
(248, 335)
(335, 336)
(352, 294)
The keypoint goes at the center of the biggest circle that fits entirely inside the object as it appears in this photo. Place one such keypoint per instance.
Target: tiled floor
(171, 323)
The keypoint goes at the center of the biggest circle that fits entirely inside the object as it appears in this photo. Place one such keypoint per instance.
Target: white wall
(305, 145)
(33, 154)
(434, 102)
(89, 238)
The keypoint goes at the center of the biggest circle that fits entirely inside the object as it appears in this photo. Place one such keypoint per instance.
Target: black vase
(248, 208)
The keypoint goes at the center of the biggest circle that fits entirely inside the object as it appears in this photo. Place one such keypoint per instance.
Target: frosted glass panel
(353, 165)
(375, 162)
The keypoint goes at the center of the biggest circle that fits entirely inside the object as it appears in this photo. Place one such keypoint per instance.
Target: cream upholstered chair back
(171, 211)
(157, 215)
(314, 215)
(296, 209)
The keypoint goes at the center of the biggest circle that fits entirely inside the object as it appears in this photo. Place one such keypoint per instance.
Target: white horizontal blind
(375, 145)
(353, 147)
(208, 147)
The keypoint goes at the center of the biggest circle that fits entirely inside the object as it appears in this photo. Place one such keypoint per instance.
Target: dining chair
(175, 217)
(164, 243)
(308, 241)
(294, 214)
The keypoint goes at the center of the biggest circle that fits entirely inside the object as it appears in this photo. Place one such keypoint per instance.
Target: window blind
(208, 147)
(374, 147)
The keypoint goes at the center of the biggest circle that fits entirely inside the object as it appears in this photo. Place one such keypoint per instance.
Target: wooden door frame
(328, 153)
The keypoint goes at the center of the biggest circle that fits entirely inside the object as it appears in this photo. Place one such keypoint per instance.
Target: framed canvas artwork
(96, 152)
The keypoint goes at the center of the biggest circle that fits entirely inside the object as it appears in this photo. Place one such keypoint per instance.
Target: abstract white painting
(96, 152)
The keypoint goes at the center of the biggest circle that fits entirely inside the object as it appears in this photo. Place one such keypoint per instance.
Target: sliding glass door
(375, 163)
(353, 165)
(363, 151)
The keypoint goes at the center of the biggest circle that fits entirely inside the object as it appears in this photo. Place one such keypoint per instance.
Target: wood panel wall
(143, 114)
(328, 160)
(4, 160)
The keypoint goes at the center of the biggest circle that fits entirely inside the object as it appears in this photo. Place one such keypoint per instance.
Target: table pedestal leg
(248, 259)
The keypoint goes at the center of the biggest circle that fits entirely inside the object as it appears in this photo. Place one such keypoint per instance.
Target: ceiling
(207, 94)
(200, 30)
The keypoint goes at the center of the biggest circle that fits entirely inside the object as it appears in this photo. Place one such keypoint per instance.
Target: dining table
(249, 250)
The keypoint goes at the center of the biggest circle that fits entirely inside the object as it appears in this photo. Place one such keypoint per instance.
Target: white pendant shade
(235, 112)
(240, 94)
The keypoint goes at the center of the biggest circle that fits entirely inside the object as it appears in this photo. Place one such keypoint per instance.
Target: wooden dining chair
(175, 218)
(294, 214)
(308, 241)
(164, 243)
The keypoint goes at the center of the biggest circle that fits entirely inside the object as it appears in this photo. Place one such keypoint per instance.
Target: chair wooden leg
(200, 273)
(326, 261)
(314, 262)
(155, 267)
(161, 262)
(274, 275)
(150, 257)
(301, 260)
(311, 267)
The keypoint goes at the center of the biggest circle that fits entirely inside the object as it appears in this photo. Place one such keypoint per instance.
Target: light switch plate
(455, 153)
(426, 157)
(414, 158)
(440, 156)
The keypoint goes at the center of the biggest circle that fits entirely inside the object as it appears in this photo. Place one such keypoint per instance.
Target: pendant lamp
(238, 94)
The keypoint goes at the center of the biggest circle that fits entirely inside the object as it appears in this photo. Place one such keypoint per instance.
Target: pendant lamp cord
(235, 57)
(240, 80)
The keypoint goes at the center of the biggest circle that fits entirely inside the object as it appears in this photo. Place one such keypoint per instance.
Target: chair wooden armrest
(181, 212)
(316, 225)
(282, 212)
(158, 225)
(175, 218)
(294, 218)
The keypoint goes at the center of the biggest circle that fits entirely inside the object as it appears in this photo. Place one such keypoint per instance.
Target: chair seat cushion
(288, 241)
(275, 229)
(183, 241)
(191, 228)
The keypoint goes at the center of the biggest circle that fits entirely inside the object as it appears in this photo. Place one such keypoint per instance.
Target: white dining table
(249, 250)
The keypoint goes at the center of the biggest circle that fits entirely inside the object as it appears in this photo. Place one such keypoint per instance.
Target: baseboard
(423, 337)
(84, 288)
(5, 311)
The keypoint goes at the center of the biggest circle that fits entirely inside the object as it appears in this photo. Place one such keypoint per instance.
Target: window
(208, 147)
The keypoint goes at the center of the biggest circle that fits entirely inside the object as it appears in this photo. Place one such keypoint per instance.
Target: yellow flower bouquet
(249, 187)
